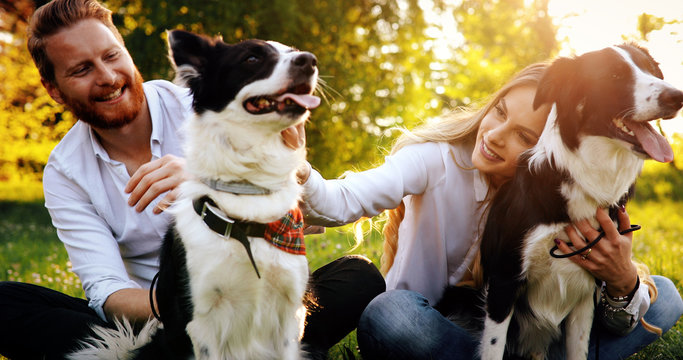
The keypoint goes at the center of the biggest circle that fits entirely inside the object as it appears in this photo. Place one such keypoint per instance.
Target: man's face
(94, 75)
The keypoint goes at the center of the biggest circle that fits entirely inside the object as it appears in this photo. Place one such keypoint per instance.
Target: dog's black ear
(561, 84)
(555, 83)
(188, 53)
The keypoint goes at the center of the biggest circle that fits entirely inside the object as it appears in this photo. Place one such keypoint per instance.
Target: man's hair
(55, 16)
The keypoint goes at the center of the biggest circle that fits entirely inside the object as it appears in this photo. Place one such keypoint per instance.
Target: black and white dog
(232, 272)
(589, 155)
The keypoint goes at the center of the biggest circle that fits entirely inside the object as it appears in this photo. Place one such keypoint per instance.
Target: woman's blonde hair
(460, 125)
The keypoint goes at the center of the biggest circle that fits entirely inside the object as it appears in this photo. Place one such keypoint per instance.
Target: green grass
(31, 252)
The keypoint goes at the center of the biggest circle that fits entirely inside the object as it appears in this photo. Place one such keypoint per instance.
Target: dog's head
(264, 82)
(613, 92)
(244, 95)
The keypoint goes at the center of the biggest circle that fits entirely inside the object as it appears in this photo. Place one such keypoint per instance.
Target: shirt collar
(480, 184)
(96, 146)
(481, 187)
(155, 114)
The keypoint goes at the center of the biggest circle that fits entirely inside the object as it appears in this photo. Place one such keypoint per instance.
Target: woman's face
(509, 128)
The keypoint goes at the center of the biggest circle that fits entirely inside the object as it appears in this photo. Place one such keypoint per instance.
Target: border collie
(232, 271)
(591, 150)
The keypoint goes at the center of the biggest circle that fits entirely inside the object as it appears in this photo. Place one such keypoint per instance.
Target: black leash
(151, 297)
(590, 245)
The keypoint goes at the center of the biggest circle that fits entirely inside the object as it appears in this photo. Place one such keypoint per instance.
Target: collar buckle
(216, 219)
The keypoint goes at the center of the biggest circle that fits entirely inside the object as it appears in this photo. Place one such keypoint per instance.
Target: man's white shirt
(110, 245)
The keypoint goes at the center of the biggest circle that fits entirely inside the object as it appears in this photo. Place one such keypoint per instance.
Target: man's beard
(125, 113)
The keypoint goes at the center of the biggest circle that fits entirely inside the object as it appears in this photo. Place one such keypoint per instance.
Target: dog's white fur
(115, 344)
(235, 315)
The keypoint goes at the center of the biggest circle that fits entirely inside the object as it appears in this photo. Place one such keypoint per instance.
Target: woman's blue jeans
(400, 324)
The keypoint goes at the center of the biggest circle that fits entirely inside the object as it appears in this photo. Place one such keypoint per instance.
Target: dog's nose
(671, 98)
(307, 62)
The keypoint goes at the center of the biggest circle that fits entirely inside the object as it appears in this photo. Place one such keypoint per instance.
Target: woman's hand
(610, 259)
(155, 178)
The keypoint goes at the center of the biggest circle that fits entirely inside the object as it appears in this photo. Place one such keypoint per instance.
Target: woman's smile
(488, 153)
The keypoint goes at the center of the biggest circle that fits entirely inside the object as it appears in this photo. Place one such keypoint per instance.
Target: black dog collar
(221, 224)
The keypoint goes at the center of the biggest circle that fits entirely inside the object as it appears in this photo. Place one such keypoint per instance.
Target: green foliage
(659, 246)
(31, 123)
(500, 37)
(648, 23)
(377, 58)
(383, 64)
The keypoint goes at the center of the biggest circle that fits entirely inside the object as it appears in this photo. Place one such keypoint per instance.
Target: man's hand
(155, 178)
(165, 174)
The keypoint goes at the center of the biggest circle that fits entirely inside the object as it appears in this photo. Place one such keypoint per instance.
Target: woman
(438, 181)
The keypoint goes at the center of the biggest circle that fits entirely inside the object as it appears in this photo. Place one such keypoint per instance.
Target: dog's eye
(252, 60)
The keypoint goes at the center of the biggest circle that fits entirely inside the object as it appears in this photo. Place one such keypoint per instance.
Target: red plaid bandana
(287, 234)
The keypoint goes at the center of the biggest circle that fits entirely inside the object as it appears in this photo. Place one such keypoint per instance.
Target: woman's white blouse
(444, 197)
(445, 204)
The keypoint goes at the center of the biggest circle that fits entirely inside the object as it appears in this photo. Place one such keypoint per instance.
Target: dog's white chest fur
(234, 316)
(556, 289)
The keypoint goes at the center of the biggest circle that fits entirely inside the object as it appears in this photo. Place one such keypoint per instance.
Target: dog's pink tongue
(306, 101)
(652, 142)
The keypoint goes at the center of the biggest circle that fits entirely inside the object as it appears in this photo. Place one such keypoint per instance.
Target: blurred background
(385, 63)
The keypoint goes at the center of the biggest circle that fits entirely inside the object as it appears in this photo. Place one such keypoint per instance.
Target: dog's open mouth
(294, 100)
(645, 139)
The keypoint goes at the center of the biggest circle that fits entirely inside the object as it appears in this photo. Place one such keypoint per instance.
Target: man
(106, 185)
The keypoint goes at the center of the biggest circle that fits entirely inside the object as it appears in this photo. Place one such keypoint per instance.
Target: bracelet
(625, 297)
(609, 311)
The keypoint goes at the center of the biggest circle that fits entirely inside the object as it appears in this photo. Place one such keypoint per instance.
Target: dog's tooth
(621, 126)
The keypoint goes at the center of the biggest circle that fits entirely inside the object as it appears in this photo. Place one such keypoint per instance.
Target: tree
(377, 57)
